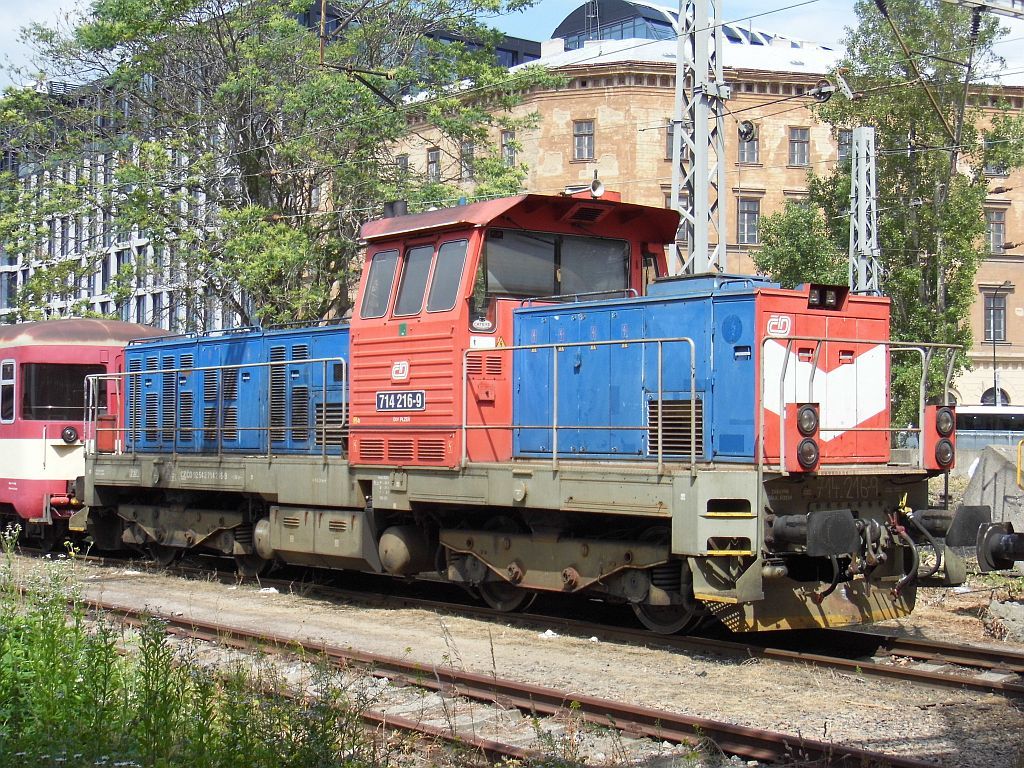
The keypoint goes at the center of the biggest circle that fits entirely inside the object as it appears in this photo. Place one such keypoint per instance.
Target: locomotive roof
(663, 222)
(79, 330)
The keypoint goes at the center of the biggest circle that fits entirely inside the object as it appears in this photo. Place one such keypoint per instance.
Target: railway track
(535, 700)
(868, 652)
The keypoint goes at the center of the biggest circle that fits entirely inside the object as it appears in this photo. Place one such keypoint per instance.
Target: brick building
(612, 116)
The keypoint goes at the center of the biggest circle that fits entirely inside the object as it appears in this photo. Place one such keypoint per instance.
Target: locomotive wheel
(502, 596)
(163, 555)
(251, 566)
(669, 619)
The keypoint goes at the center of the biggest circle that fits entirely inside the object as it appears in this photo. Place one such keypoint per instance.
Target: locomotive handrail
(925, 349)
(133, 429)
(465, 427)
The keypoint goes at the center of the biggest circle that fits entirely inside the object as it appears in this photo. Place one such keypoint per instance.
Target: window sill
(798, 165)
(745, 164)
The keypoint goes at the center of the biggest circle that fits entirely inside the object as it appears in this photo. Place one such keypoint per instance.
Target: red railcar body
(43, 366)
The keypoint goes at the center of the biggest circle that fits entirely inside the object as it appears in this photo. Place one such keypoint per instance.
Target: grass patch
(70, 696)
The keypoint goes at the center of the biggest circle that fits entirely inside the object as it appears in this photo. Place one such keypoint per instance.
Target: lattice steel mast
(698, 143)
(865, 270)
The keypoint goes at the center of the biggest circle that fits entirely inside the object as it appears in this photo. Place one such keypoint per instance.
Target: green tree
(209, 130)
(933, 142)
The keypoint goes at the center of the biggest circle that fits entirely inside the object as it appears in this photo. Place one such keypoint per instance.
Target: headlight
(69, 435)
(944, 422)
(807, 453)
(807, 419)
(944, 452)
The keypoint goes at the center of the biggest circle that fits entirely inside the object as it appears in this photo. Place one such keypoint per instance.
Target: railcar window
(378, 284)
(533, 264)
(55, 392)
(7, 391)
(414, 280)
(444, 285)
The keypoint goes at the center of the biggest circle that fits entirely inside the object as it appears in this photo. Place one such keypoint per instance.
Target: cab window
(521, 265)
(414, 280)
(55, 391)
(378, 284)
(444, 285)
(6, 391)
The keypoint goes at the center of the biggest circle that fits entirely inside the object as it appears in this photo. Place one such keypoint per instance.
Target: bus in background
(979, 426)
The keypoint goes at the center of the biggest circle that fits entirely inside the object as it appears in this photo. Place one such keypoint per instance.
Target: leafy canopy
(205, 136)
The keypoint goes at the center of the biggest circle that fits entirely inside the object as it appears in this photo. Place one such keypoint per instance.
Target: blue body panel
(613, 388)
(229, 409)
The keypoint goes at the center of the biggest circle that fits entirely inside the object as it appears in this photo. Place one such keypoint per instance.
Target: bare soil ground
(951, 728)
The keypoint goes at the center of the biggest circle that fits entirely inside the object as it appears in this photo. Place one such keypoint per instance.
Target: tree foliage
(209, 130)
(931, 169)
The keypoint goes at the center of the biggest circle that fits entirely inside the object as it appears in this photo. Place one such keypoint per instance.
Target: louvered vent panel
(400, 450)
(186, 361)
(675, 432)
(230, 386)
(152, 363)
(168, 388)
(230, 432)
(300, 414)
(371, 450)
(337, 526)
(430, 450)
(134, 396)
(210, 424)
(300, 352)
(494, 365)
(186, 419)
(152, 406)
(475, 365)
(331, 428)
(210, 385)
(587, 214)
(291, 521)
(278, 385)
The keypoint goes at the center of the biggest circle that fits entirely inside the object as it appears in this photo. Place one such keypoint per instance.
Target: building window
(993, 167)
(508, 148)
(995, 221)
(749, 151)
(799, 146)
(845, 137)
(583, 140)
(434, 164)
(670, 136)
(995, 316)
(402, 164)
(748, 217)
(158, 310)
(466, 151)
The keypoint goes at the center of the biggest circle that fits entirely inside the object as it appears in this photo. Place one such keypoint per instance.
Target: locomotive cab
(434, 316)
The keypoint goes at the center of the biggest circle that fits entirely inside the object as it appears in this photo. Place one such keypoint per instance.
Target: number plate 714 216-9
(407, 400)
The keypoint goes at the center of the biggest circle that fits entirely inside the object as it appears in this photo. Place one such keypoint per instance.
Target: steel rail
(495, 751)
(739, 740)
(994, 660)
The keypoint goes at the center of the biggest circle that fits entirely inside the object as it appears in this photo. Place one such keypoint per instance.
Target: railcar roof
(80, 330)
(661, 221)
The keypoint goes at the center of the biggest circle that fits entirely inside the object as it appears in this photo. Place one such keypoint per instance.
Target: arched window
(988, 398)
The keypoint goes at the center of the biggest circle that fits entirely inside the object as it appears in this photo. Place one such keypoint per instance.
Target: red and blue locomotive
(525, 402)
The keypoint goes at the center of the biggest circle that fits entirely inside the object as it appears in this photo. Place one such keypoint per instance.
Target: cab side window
(378, 284)
(444, 286)
(6, 391)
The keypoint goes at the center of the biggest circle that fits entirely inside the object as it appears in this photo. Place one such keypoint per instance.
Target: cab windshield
(518, 264)
(56, 392)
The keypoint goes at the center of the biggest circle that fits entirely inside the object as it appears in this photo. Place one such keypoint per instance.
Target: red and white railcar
(43, 369)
